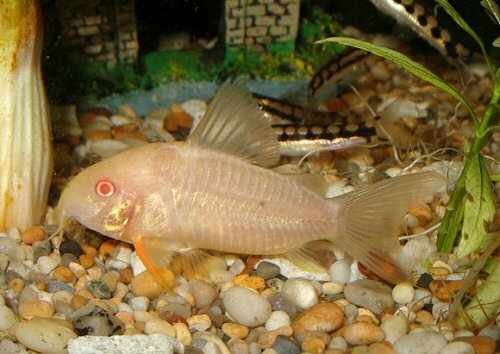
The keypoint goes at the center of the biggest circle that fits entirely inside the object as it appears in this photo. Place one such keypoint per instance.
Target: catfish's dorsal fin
(234, 124)
(315, 256)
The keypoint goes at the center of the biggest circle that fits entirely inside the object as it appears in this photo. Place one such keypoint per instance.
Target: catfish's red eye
(105, 188)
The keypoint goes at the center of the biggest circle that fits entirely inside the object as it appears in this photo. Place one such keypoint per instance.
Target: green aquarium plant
(472, 204)
(25, 142)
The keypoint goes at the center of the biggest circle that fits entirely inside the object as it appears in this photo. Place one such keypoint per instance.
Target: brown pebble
(87, 118)
(64, 274)
(363, 333)
(126, 276)
(107, 248)
(176, 120)
(445, 289)
(111, 280)
(17, 284)
(126, 318)
(250, 281)
(85, 293)
(422, 213)
(78, 301)
(90, 250)
(41, 286)
(120, 134)
(381, 348)
(87, 261)
(313, 345)
(32, 235)
(145, 284)
(425, 317)
(170, 317)
(481, 344)
(334, 351)
(235, 330)
(325, 317)
(267, 339)
(96, 135)
(36, 307)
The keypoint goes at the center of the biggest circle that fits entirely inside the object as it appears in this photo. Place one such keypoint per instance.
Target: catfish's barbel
(176, 201)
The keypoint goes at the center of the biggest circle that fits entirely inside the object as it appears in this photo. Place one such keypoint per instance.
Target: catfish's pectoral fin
(368, 220)
(314, 257)
(165, 261)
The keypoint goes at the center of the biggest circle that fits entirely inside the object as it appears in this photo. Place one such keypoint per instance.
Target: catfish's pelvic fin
(165, 261)
(369, 218)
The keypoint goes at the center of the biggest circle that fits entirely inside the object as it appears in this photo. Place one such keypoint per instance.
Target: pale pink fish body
(172, 199)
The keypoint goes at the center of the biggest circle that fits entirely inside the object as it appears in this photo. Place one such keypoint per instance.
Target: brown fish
(176, 201)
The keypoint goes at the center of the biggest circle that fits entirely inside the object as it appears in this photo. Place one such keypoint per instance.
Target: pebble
(340, 272)
(151, 344)
(440, 310)
(481, 344)
(32, 235)
(64, 274)
(370, 294)
(301, 291)
(99, 289)
(95, 319)
(250, 281)
(267, 270)
(235, 330)
(70, 246)
(416, 249)
(325, 317)
(284, 345)
(36, 307)
(87, 261)
(277, 319)
(282, 302)
(445, 289)
(45, 335)
(68, 258)
(9, 347)
(157, 325)
(8, 322)
(394, 328)
(199, 322)
(363, 333)
(458, 348)
(403, 293)
(266, 340)
(182, 333)
(420, 343)
(313, 345)
(144, 284)
(238, 346)
(10, 248)
(204, 293)
(332, 288)
(338, 343)
(140, 303)
(246, 306)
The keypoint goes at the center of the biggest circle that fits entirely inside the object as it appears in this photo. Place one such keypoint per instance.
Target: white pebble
(406, 313)
(77, 269)
(490, 331)
(44, 335)
(403, 293)
(246, 307)
(14, 234)
(331, 288)
(123, 307)
(394, 328)
(340, 272)
(123, 253)
(458, 348)
(46, 264)
(440, 310)
(115, 264)
(137, 266)
(237, 266)
(302, 292)
(139, 303)
(277, 319)
(420, 343)
(338, 343)
(157, 325)
(418, 248)
(9, 347)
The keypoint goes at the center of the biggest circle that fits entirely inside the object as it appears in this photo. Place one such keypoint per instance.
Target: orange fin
(368, 220)
(314, 257)
(164, 261)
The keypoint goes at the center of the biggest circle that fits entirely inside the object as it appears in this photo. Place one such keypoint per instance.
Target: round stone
(45, 335)
(277, 319)
(363, 333)
(267, 270)
(70, 246)
(36, 307)
(458, 348)
(235, 330)
(394, 328)
(140, 303)
(32, 235)
(420, 343)
(403, 293)
(144, 284)
(282, 302)
(204, 293)
(8, 322)
(157, 325)
(302, 292)
(340, 272)
(370, 294)
(325, 317)
(284, 345)
(246, 306)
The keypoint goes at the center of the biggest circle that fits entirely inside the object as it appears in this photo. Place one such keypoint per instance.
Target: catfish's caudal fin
(369, 219)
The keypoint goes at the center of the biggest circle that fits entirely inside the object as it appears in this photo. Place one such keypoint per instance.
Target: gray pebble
(282, 302)
(178, 309)
(189, 349)
(370, 294)
(99, 289)
(284, 345)
(70, 246)
(9, 347)
(267, 270)
(203, 292)
(41, 249)
(420, 343)
(10, 248)
(8, 322)
(67, 258)
(56, 285)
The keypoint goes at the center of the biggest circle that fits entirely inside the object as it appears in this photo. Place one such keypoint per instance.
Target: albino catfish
(176, 202)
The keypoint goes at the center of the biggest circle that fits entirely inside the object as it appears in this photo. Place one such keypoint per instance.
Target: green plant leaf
(402, 60)
(479, 206)
(496, 42)
(493, 9)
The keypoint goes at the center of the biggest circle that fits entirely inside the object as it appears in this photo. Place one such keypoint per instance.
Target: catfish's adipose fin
(164, 262)
(368, 220)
